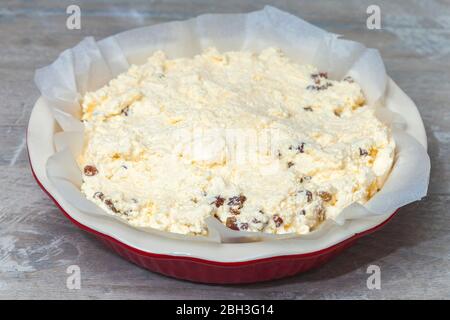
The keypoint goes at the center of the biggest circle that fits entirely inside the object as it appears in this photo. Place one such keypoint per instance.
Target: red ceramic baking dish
(224, 263)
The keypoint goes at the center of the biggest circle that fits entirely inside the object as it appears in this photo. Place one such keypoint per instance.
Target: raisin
(237, 201)
(308, 109)
(90, 170)
(99, 195)
(300, 148)
(243, 226)
(235, 211)
(302, 212)
(290, 164)
(231, 223)
(219, 201)
(111, 206)
(305, 178)
(363, 152)
(326, 196)
(319, 75)
(125, 111)
(278, 220)
(319, 87)
(256, 221)
(309, 195)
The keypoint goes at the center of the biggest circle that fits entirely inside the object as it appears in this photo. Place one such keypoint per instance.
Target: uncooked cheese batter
(253, 139)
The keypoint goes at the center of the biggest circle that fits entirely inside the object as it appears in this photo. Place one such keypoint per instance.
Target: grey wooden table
(37, 243)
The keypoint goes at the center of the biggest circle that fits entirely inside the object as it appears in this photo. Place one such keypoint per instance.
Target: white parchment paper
(91, 64)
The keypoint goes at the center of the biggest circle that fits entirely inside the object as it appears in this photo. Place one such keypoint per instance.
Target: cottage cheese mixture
(252, 139)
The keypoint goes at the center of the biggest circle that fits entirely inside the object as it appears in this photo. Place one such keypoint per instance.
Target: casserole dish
(220, 259)
(207, 262)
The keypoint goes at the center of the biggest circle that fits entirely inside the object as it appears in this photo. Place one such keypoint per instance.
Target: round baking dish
(209, 262)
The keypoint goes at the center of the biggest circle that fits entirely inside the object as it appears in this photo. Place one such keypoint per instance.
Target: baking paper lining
(90, 65)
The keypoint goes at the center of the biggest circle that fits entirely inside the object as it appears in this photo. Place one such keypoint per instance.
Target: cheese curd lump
(252, 139)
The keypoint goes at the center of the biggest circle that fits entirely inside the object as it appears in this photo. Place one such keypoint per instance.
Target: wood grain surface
(37, 243)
